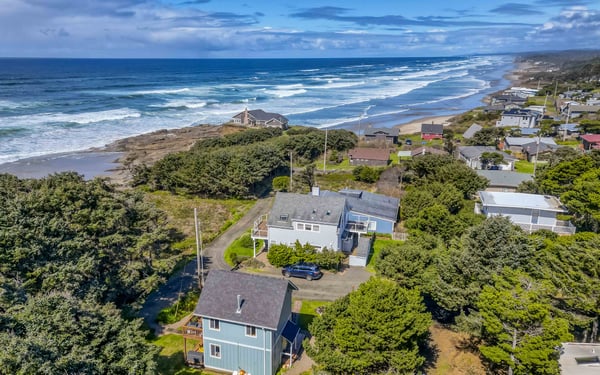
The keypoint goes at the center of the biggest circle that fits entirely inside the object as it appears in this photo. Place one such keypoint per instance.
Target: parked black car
(309, 271)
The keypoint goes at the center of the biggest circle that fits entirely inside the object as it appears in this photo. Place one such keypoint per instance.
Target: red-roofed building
(591, 141)
(369, 156)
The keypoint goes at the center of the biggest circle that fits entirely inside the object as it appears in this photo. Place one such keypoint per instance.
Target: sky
(292, 28)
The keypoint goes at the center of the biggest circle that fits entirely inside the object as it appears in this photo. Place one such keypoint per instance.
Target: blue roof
(529, 131)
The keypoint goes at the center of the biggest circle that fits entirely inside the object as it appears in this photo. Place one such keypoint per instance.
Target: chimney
(239, 304)
(316, 191)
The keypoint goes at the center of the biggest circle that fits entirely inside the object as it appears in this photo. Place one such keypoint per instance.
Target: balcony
(357, 226)
(560, 228)
(193, 328)
(260, 231)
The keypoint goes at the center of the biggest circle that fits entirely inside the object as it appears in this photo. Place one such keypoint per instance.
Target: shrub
(282, 255)
(246, 241)
(181, 308)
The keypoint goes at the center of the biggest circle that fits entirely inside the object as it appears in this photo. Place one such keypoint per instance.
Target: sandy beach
(415, 126)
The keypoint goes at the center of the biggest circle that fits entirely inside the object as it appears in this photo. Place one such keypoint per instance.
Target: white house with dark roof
(326, 219)
(529, 211)
(243, 322)
(258, 117)
(471, 155)
(518, 117)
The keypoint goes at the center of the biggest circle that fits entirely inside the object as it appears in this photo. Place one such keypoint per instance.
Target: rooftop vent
(239, 304)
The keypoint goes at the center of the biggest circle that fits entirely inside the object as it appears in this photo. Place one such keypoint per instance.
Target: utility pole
(199, 257)
(325, 153)
(537, 151)
(291, 171)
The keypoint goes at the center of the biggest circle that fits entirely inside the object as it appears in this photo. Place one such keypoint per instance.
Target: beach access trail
(186, 278)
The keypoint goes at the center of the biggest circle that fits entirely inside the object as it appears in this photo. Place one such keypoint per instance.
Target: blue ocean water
(62, 105)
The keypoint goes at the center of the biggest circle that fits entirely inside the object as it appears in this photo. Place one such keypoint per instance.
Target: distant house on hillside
(575, 110)
(369, 156)
(470, 132)
(591, 141)
(382, 134)
(242, 322)
(529, 211)
(432, 131)
(258, 117)
(518, 117)
(471, 155)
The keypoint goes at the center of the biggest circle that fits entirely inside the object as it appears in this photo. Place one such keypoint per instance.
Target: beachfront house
(260, 118)
(432, 131)
(471, 155)
(326, 219)
(529, 211)
(503, 181)
(369, 156)
(383, 135)
(590, 142)
(518, 117)
(242, 322)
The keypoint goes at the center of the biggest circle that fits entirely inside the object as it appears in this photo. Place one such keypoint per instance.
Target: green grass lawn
(308, 312)
(570, 142)
(523, 166)
(379, 244)
(170, 360)
(241, 248)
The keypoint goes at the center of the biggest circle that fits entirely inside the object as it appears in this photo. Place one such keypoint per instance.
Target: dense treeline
(72, 252)
(519, 294)
(240, 164)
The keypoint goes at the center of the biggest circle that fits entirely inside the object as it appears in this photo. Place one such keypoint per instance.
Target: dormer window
(283, 217)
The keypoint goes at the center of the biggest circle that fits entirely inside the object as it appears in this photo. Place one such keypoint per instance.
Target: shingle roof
(262, 297)
(592, 138)
(533, 148)
(261, 115)
(289, 207)
(520, 141)
(390, 132)
(504, 178)
(432, 128)
(468, 134)
(367, 203)
(584, 108)
(370, 154)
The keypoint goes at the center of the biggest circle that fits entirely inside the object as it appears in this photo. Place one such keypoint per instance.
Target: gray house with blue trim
(246, 323)
(326, 219)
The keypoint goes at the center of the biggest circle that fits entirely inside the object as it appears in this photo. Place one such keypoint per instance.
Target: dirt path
(185, 279)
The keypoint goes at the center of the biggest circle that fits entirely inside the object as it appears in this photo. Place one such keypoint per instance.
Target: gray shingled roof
(364, 202)
(532, 148)
(432, 128)
(468, 134)
(261, 115)
(262, 298)
(473, 152)
(290, 207)
(390, 132)
(504, 178)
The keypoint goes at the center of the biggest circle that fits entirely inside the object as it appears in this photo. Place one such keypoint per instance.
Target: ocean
(62, 105)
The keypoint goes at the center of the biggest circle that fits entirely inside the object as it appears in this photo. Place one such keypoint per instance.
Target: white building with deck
(529, 211)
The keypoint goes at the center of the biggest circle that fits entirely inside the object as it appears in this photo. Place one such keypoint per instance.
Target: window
(215, 351)
(315, 228)
(283, 217)
(250, 331)
(214, 324)
(307, 227)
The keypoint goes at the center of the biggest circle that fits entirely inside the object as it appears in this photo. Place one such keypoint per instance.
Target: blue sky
(288, 28)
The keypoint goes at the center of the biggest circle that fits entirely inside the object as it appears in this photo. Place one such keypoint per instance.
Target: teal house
(243, 324)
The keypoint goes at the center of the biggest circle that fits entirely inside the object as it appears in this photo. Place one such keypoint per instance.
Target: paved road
(186, 278)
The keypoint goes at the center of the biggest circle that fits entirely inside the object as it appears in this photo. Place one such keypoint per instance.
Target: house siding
(238, 350)
(327, 236)
(381, 226)
(522, 215)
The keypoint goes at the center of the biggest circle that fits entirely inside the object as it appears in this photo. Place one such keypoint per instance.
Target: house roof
(504, 178)
(578, 358)
(591, 138)
(389, 132)
(520, 141)
(521, 200)
(533, 148)
(468, 134)
(529, 131)
(432, 128)
(584, 108)
(289, 207)
(261, 115)
(474, 152)
(370, 154)
(262, 298)
(518, 112)
(569, 127)
(364, 202)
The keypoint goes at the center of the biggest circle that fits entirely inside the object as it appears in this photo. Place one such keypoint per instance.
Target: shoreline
(113, 160)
